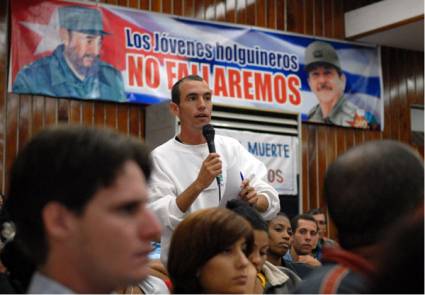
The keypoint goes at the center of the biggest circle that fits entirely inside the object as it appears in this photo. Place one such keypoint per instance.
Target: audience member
(273, 279)
(77, 196)
(323, 241)
(280, 239)
(208, 253)
(184, 174)
(304, 240)
(366, 190)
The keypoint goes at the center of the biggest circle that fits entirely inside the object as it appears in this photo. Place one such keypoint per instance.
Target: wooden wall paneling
(111, 115)
(308, 13)
(87, 113)
(394, 96)
(122, 118)
(63, 110)
(251, 13)
(134, 3)
(411, 79)
(178, 7)
(37, 114)
(24, 120)
(271, 13)
(99, 114)
(295, 16)
(134, 120)
(123, 3)
(313, 167)
(241, 14)
(419, 67)
(385, 60)
(304, 177)
(156, 6)
(327, 18)
(318, 26)
(230, 11)
(220, 10)
(189, 8)
(199, 9)
(341, 144)
(322, 162)
(338, 17)
(167, 6)
(144, 4)
(260, 15)
(75, 113)
(281, 15)
(405, 128)
(12, 115)
(51, 107)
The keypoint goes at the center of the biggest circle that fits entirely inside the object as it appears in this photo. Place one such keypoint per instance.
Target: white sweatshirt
(176, 166)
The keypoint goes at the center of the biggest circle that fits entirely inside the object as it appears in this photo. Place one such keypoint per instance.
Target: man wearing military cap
(327, 82)
(74, 69)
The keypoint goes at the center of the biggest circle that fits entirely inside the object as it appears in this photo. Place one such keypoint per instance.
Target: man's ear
(58, 221)
(174, 109)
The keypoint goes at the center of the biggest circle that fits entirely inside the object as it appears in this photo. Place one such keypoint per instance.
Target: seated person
(77, 197)
(208, 253)
(304, 240)
(323, 241)
(280, 238)
(273, 279)
(366, 189)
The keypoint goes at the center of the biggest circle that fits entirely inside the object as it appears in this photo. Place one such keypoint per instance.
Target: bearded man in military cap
(327, 81)
(74, 69)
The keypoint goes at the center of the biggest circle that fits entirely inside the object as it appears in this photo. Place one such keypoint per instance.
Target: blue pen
(240, 172)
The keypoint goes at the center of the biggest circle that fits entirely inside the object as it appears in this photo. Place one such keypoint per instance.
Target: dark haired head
(246, 211)
(198, 238)
(371, 186)
(305, 216)
(175, 90)
(68, 165)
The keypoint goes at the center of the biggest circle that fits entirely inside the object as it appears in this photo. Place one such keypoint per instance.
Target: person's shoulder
(40, 65)
(314, 114)
(164, 148)
(332, 278)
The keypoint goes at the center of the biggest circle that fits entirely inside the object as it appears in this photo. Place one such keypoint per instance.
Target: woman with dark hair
(272, 279)
(280, 233)
(208, 253)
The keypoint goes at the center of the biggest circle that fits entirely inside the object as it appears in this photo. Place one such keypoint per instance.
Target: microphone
(209, 133)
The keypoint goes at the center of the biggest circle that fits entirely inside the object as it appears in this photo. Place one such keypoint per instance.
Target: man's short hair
(67, 165)
(175, 90)
(304, 216)
(371, 186)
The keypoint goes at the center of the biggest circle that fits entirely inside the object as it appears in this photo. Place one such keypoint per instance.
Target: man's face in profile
(82, 50)
(111, 239)
(326, 84)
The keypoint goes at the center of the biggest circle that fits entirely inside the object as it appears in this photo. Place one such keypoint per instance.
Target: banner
(277, 152)
(73, 49)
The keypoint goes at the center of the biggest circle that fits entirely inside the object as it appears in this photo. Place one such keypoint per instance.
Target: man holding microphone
(190, 174)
